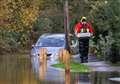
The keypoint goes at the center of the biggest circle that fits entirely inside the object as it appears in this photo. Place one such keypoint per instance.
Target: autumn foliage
(16, 14)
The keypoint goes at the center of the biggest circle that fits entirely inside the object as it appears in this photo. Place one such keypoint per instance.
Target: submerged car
(53, 43)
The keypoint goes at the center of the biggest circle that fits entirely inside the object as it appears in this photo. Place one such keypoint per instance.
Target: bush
(114, 56)
(13, 40)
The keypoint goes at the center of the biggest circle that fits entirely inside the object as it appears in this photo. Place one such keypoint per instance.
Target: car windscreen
(51, 42)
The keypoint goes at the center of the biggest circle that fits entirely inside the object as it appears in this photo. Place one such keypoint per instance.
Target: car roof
(61, 35)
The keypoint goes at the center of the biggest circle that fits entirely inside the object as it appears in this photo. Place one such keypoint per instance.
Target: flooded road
(18, 69)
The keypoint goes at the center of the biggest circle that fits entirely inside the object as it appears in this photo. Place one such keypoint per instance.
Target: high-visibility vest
(84, 30)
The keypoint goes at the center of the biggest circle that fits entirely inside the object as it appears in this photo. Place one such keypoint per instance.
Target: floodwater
(18, 69)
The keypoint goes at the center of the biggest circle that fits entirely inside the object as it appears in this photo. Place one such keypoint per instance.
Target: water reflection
(76, 78)
(17, 69)
(55, 76)
(80, 78)
(103, 77)
(42, 64)
(67, 76)
(42, 71)
(47, 75)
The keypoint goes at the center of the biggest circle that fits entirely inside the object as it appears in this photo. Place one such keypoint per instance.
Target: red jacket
(79, 26)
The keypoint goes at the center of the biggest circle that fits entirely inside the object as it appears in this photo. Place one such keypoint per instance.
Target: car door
(74, 45)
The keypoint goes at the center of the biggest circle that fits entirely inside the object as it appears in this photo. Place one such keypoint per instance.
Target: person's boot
(82, 59)
(86, 59)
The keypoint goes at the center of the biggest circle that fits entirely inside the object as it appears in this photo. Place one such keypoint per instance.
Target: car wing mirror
(33, 46)
(73, 44)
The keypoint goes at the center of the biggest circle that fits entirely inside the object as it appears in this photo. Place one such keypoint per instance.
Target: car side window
(73, 40)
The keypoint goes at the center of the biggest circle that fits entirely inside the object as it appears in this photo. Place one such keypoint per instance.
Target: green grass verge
(74, 67)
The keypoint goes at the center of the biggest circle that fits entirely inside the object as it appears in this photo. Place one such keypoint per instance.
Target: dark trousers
(83, 48)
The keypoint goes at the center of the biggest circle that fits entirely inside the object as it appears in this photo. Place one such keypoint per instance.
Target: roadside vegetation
(74, 67)
(23, 21)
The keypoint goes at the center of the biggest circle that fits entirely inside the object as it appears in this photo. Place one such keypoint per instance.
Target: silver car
(53, 42)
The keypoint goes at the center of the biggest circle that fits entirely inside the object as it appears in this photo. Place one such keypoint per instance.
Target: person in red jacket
(83, 27)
